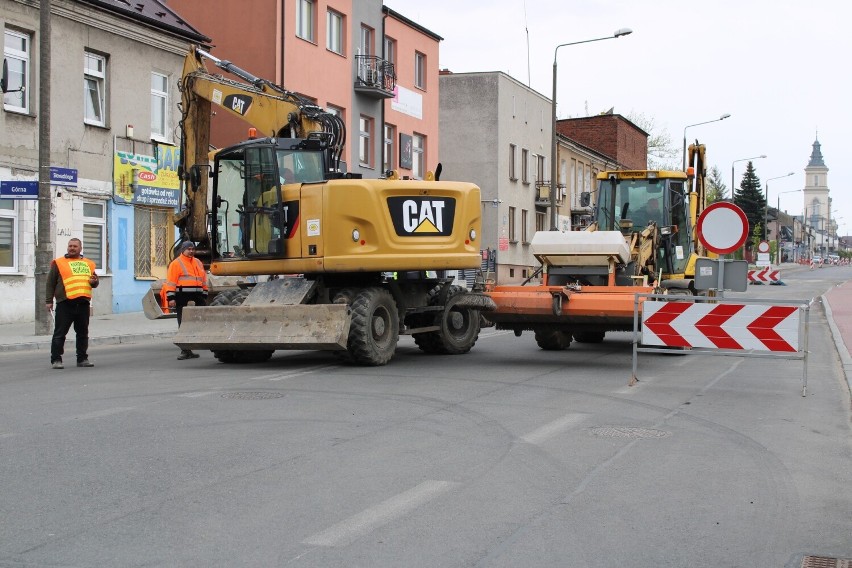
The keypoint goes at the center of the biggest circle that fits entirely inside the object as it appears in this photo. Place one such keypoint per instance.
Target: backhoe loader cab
(630, 201)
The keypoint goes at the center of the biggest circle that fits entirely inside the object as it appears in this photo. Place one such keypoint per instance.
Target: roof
(154, 13)
(397, 16)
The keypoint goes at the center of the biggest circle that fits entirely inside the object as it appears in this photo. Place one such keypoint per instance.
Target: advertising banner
(147, 180)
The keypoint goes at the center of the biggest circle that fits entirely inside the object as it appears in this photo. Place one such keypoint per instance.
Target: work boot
(57, 365)
(187, 354)
(85, 363)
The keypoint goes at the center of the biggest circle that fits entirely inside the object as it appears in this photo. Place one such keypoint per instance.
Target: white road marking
(541, 434)
(346, 532)
(102, 413)
(292, 375)
(199, 394)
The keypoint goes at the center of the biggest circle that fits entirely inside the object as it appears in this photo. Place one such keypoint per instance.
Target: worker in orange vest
(186, 282)
(70, 280)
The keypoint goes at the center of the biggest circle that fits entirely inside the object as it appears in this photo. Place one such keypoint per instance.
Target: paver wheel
(553, 340)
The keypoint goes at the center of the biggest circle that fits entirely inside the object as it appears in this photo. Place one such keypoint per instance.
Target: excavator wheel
(589, 336)
(459, 326)
(553, 340)
(236, 298)
(374, 331)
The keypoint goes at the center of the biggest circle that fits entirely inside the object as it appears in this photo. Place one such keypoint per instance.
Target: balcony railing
(543, 193)
(375, 77)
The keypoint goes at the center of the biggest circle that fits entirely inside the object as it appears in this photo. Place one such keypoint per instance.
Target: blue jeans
(71, 312)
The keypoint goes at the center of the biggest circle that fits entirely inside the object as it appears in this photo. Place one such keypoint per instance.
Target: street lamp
(553, 157)
(723, 117)
(766, 206)
(778, 223)
(732, 169)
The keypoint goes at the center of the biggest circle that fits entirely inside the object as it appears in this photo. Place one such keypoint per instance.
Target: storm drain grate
(825, 562)
(627, 432)
(252, 395)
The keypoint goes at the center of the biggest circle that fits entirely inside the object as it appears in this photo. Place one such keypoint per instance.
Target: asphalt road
(508, 456)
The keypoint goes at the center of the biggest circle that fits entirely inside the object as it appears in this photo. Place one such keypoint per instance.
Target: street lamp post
(741, 160)
(778, 223)
(766, 206)
(553, 156)
(723, 117)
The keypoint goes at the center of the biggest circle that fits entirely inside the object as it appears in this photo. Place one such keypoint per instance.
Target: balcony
(542, 197)
(375, 77)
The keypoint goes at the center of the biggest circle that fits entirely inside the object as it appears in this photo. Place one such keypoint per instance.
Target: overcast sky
(781, 68)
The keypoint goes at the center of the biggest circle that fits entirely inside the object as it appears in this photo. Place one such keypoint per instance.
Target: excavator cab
(255, 197)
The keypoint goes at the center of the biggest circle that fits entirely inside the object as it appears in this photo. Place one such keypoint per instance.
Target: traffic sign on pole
(722, 228)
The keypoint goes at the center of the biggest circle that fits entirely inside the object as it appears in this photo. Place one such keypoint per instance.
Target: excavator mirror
(585, 199)
(195, 177)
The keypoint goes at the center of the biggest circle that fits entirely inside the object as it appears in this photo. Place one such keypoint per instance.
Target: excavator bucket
(258, 328)
(151, 306)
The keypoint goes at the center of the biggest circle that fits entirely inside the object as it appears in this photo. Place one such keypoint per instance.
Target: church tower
(817, 205)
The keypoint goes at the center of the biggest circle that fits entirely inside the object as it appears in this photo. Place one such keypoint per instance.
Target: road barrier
(693, 325)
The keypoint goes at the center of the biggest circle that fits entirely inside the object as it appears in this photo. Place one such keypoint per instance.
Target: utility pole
(44, 236)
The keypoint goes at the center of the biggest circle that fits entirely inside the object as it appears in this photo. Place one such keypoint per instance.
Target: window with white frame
(306, 19)
(94, 87)
(153, 232)
(388, 153)
(419, 70)
(418, 156)
(8, 236)
(16, 54)
(367, 40)
(159, 106)
(365, 152)
(94, 232)
(334, 32)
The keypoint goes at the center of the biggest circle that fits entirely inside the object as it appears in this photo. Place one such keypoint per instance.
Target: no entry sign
(722, 228)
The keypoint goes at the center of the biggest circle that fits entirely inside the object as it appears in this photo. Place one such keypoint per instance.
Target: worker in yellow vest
(70, 281)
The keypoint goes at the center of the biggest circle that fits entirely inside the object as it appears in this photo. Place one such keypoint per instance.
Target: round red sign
(722, 227)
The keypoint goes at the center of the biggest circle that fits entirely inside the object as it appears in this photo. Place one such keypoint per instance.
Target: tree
(662, 153)
(749, 197)
(715, 189)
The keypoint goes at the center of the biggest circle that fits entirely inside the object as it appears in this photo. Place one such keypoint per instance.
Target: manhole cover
(627, 432)
(825, 562)
(252, 395)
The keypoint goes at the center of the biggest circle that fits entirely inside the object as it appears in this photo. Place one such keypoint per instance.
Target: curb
(842, 350)
(111, 340)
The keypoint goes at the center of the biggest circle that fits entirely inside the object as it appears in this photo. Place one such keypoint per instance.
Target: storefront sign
(147, 180)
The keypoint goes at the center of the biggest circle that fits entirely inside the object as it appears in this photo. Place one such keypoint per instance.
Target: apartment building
(113, 87)
(372, 66)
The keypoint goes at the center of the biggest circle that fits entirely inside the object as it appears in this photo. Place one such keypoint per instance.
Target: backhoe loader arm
(269, 108)
(697, 190)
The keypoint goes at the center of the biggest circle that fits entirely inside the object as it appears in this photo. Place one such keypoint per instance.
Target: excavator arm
(697, 173)
(270, 109)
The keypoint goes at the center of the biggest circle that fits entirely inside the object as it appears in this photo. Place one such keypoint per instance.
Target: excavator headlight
(356, 235)
(473, 234)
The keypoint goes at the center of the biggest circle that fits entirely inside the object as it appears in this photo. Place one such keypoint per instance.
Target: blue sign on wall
(19, 189)
(63, 176)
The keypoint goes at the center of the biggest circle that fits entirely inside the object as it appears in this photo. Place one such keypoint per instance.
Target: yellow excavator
(329, 260)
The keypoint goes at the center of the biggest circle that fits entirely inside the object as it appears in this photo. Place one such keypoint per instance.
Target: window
(16, 52)
(94, 232)
(390, 136)
(367, 41)
(94, 87)
(418, 156)
(305, 19)
(512, 224)
(390, 50)
(152, 232)
(419, 70)
(159, 107)
(525, 166)
(539, 221)
(524, 235)
(334, 32)
(539, 168)
(365, 154)
(513, 157)
(8, 236)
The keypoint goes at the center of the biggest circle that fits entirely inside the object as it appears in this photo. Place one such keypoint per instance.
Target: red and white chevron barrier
(721, 326)
(764, 276)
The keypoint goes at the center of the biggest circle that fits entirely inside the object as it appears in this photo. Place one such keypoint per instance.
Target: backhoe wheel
(589, 336)
(553, 340)
(230, 356)
(374, 331)
(459, 326)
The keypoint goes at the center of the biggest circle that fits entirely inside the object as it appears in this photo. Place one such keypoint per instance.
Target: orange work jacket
(185, 275)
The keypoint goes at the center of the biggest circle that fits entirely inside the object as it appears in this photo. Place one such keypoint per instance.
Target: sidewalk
(103, 330)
